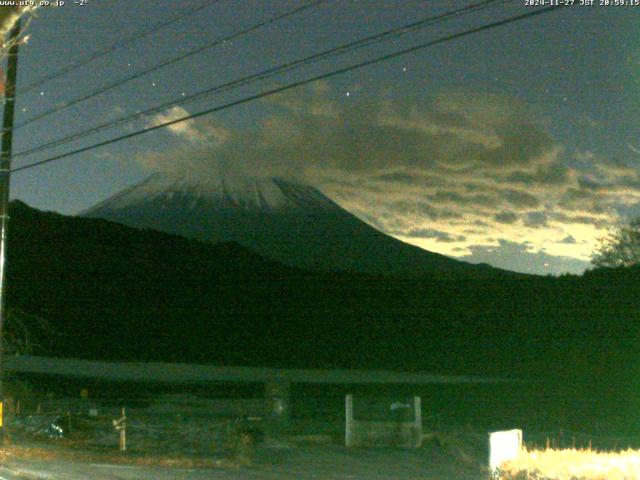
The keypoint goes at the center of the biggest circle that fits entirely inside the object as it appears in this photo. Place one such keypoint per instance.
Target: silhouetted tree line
(114, 292)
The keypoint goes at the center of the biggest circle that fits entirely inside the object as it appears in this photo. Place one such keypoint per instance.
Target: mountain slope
(291, 223)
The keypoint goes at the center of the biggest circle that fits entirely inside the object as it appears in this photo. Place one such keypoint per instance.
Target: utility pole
(5, 176)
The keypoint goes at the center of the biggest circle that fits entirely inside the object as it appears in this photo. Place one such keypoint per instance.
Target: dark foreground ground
(437, 460)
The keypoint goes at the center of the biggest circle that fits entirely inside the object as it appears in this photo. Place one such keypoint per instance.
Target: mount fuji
(292, 223)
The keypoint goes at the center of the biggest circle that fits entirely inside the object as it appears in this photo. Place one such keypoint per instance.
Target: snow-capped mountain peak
(222, 192)
(292, 223)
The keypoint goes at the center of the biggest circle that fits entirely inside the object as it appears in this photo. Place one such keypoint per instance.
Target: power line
(294, 85)
(345, 48)
(101, 53)
(166, 63)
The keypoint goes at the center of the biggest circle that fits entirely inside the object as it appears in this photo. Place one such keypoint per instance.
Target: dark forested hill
(115, 292)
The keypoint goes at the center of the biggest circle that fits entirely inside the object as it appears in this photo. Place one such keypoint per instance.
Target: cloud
(446, 172)
(521, 199)
(435, 234)
(202, 132)
(548, 175)
(521, 257)
(506, 217)
(308, 135)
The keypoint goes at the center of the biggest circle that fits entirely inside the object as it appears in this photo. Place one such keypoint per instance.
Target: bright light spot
(404, 69)
(504, 446)
(153, 84)
(546, 265)
(348, 94)
(41, 93)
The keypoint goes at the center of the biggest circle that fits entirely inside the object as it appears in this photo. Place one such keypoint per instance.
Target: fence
(162, 429)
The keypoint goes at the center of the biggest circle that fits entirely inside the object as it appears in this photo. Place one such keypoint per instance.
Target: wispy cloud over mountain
(455, 173)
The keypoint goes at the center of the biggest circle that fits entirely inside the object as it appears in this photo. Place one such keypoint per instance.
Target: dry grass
(572, 464)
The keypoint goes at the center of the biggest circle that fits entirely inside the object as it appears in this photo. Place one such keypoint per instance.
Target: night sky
(517, 146)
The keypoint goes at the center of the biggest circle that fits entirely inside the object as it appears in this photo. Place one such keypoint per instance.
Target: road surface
(301, 463)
